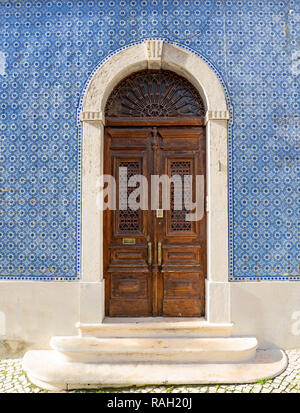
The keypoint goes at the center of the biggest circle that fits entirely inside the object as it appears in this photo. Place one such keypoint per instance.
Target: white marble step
(209, 350)
(155, 327)
(49, 370)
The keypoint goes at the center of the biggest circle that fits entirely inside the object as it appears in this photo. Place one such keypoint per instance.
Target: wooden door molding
(91, 109)
(128, 289)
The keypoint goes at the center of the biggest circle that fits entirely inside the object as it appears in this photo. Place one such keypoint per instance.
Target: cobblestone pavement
(14, 380)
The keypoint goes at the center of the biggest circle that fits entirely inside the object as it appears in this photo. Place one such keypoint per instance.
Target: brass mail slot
(128, 241)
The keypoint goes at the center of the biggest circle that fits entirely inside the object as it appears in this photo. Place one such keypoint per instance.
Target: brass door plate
(128, 241)
(159, 213)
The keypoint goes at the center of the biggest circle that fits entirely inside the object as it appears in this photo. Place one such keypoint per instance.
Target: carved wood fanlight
(154, 94)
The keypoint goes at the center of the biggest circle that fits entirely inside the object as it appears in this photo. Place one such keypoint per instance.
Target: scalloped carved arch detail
(154, 94)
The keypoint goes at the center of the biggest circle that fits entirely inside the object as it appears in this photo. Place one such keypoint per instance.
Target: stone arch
(155, 54)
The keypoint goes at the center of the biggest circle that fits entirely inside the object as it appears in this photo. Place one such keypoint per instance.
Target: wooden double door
(154, 259)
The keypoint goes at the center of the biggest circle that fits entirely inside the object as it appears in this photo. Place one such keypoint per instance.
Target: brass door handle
(159, 253)
(149, 253)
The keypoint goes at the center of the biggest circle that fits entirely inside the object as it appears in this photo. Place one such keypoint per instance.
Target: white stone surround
(155, 54)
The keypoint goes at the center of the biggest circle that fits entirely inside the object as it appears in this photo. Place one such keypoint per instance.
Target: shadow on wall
(12, 348)
(266, 311)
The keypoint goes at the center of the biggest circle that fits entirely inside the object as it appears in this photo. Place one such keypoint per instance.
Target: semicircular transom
(154, 94)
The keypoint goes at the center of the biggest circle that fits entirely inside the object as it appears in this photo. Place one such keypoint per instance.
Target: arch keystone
(154, 52)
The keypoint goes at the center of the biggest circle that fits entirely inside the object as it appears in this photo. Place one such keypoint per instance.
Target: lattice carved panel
(152, 94)
(178, 217)
(129, 219)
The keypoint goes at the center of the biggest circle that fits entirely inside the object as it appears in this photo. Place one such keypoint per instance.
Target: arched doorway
(153, 54)
(154, 258)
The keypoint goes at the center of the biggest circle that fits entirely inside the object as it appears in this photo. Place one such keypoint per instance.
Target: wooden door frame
(154, 146)
(154, 54)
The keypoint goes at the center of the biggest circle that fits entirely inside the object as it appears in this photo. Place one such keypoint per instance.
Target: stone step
(47, 369)
(155, 327)
(208, 350)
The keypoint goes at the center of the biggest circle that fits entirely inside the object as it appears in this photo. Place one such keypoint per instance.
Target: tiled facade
(49, 51)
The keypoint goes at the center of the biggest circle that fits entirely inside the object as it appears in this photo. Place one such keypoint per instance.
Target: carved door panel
(154, 266)
(182, 267)
(126, 231)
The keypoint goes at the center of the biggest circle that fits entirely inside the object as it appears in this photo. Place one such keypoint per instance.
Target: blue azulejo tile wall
(48, 51)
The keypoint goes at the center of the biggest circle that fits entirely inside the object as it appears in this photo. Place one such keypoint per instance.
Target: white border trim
(155, 54)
